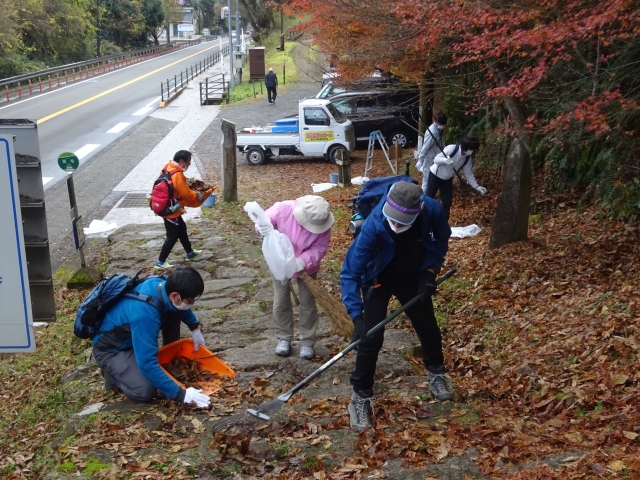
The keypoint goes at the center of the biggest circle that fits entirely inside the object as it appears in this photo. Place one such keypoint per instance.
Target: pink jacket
(310, 247)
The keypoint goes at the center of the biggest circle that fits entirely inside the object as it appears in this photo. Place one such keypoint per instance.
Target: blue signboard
(16, 321)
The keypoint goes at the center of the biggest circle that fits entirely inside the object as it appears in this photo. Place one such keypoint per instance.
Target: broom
(242, 425)
(341, 323)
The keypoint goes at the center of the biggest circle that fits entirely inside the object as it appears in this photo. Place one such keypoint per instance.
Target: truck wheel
(399, 137)
(255, 156)
(332, 154)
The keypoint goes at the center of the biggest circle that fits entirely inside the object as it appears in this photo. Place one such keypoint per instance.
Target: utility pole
(231, 86)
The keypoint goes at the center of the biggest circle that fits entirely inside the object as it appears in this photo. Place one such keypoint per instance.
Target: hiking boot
(360, 412)
(193, 254)
(162, 265)
(307, 352)
(108, 381)
(438, 386)
(284, 348)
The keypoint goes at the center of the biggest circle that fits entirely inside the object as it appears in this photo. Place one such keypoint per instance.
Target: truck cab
(319, 130)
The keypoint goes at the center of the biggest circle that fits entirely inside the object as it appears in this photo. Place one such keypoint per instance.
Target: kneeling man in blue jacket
(399, 251)
(127, 347)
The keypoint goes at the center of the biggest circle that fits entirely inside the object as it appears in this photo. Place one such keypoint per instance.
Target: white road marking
(46, 180)
(119, 127)
(86, 150)
(142, 111)
(155, 100)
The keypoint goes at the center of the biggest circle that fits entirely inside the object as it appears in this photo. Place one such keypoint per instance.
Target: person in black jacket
(271, 82)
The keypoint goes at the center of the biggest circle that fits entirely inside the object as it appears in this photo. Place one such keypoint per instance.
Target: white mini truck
(319, 130)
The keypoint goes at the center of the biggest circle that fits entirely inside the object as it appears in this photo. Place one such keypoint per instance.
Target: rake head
(244, 424)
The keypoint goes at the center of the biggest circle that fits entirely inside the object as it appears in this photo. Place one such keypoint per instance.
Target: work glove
(196, 396)
(198, 339)
(264, 229)
(427, 284)
(208, 193)
(299, 265)
(200, 197)
(481, 190)
(448, 161)
(359, 329)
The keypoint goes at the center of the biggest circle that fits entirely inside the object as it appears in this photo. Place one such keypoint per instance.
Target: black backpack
(106, 294)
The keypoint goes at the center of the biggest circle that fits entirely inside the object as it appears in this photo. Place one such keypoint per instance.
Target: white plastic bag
(468, 231)
(276, 247)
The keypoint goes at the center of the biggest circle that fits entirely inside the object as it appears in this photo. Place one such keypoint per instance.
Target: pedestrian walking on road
(126, 348)
(185, 197)
(271, 82)
(447, 165)
(431, 146)
(307, 222)
(398, 252)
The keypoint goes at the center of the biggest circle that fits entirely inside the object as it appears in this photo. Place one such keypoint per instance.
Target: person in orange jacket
(174, 224)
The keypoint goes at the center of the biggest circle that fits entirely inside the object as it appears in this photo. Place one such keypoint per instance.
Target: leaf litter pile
(541, 341)
(189, 372)
(198, 185)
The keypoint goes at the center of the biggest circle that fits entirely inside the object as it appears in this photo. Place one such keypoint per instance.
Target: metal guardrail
(23, 85)
(173, 86)
(214, 90)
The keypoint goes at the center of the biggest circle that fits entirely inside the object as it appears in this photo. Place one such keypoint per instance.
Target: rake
(244, 424)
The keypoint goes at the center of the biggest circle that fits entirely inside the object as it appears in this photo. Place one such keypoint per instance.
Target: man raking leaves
(400, 249)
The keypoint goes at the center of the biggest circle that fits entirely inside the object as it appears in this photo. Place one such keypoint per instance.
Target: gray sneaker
(307, 352)
(360, 411)
(283, 348)
(438, 386)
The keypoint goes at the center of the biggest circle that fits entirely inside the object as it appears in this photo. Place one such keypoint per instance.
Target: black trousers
(174, 233)
(272, 93)
(446, 191)
(422, 318)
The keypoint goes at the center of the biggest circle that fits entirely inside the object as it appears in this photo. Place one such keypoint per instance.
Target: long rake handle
(286, 396)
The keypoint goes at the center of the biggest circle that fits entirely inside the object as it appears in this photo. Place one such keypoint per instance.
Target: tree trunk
(511, 222)
(426, 102)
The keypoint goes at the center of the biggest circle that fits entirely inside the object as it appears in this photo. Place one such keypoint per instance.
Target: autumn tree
(558, 76)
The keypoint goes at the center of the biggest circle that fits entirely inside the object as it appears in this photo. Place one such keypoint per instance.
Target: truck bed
(267, 139)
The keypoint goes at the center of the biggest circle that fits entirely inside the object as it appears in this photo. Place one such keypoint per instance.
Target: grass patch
(95, 465)
(66, 467)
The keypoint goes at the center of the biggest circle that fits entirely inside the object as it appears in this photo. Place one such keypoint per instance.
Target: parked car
(333, 85)
(383, 111)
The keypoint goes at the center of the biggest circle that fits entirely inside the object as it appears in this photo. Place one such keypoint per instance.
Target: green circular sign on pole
(68, 161)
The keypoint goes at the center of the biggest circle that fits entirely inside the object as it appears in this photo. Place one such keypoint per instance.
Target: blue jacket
(132, 324)
(373, 249)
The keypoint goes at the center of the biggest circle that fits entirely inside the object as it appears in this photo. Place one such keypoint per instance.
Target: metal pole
(74, 211)
(231, 86)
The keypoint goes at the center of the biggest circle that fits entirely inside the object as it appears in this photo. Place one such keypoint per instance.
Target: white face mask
(468, 152)
(182, 306)
(401, 229)
(440, 127)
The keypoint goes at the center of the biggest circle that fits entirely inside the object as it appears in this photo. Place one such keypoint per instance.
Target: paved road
(87, 116)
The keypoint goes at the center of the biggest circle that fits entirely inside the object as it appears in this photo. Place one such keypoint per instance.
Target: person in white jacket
(445, 166)
(431, 146)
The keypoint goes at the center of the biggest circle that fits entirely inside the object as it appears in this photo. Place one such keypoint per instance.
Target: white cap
(313, 213)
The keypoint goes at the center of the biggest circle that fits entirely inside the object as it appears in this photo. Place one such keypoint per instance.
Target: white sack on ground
(276, 246)
(321, 187)
(468, 231)
(359, 180)
(100, 228)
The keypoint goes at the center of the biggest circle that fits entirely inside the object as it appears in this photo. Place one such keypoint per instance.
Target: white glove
(482, 190)
(198, 339)
(420, 164)
(264, 229)
(299, 265)
(448, 161)
(196, 396)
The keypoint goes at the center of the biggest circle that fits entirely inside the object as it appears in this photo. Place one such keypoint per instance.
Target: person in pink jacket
(307, 222)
